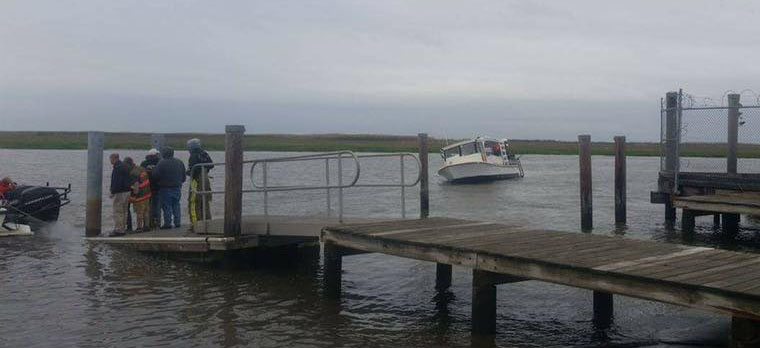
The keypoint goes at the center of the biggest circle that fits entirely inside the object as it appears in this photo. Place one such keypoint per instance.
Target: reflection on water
(56, 290)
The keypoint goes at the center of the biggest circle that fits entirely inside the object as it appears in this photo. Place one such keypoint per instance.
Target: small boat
(479, 159)
(28, 208)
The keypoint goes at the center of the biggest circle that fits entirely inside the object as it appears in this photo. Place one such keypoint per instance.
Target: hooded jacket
(169, 172)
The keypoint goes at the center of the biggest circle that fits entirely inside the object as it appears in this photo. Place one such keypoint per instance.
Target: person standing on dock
(198, 205)
(170, 175)
(140, 200)
(120, 194)
(150, 162)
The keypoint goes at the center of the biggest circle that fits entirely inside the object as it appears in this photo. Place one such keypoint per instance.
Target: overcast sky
(516, 69)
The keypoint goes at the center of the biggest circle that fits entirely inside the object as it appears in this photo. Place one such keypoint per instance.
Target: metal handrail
(339, 155)
(313, 157)
(400, 155)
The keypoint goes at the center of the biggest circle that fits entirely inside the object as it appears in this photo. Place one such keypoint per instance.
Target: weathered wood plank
(648, 260)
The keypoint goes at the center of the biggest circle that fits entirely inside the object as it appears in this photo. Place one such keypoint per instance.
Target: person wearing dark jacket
(198, 205)
(170, 175)
(120, 190)
(150, 162)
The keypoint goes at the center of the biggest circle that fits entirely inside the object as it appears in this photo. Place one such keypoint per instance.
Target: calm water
(57, 291)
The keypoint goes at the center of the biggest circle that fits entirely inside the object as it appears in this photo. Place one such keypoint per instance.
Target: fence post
(620, 180)
(157, 141)
(671, 149)
(584, 155)
(233, 179)
(733, 132)
(93, 215)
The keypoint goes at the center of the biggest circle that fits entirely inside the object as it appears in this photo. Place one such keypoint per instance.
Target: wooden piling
(233, 180)
(744, 333)
(483, 302)
(688, 217)
(331, 276)
(671, 149)
(620, 180)
(93, 215)
(584, 155)
(733, 132)
(424, 180)
(442, 276)
(157, 141)
(603, 309)
(730, 223)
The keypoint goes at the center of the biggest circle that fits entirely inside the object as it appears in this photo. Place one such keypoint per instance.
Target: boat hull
(478, 172)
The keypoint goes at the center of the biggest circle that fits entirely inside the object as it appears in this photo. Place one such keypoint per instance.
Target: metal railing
(265, 187)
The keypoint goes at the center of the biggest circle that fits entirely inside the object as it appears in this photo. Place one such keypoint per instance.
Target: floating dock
(207, 236)
(717, 280)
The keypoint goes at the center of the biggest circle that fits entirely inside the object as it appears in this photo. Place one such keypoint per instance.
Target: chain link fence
(705, 137)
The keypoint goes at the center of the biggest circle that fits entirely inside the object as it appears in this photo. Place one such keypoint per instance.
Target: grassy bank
(333, 142)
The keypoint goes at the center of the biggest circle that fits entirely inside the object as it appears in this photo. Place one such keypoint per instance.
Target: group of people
(155, 187)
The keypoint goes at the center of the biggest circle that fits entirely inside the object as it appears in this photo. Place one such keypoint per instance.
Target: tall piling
(671, 150)
(620, 181)
(233, 179)
(584, 155)
(733, 132)
(157, 141)
(424, 180)
(93, 215)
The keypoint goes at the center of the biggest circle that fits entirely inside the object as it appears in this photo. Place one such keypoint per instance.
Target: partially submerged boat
(28, 208)
(479, 159)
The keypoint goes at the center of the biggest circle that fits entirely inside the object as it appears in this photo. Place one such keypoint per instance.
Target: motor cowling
(41, 202)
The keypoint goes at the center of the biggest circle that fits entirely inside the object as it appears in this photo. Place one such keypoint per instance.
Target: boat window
(469, 149)
(452, 152)
(492, 148)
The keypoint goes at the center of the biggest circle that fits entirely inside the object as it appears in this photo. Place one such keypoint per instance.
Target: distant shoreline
(333, 142)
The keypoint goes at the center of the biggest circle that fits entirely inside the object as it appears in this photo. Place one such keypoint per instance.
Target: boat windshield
(452, 152)
(469, 149)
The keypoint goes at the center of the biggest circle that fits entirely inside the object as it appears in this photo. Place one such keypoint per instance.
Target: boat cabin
(480, 149)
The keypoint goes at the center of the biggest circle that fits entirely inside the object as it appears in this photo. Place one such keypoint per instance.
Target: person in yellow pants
(199, 205)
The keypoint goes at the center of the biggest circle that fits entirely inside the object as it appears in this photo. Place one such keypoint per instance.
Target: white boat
(479, 159)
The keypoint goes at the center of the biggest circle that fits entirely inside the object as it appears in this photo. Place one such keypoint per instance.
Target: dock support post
(157, 141)
(620, 181)
(731, 223)
(333, 263)
(442, 270)
(603, 309)
(233, 180)
(733, 132)
(671, 149)
(442, 276)
(484, 302)
(93, 215)
(687, 222)
(716, 220)
(584, 155)
(745, 332)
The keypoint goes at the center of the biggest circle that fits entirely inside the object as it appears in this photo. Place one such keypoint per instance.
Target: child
(140, 200)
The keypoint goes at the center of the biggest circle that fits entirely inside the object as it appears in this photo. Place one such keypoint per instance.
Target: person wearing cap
(170, 175)
(150, 162)
(198, 205)
(6, 185)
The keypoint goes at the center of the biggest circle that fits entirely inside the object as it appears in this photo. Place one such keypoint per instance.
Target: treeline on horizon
(335, 142)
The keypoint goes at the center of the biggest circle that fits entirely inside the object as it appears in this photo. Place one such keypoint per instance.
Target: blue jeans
(170, 204)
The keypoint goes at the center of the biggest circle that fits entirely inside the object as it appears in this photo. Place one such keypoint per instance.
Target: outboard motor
(35, 205)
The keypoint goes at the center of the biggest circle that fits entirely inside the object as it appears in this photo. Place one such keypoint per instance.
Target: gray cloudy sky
(517, 69)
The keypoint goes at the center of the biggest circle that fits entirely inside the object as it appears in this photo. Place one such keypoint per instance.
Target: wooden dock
(716, 280)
